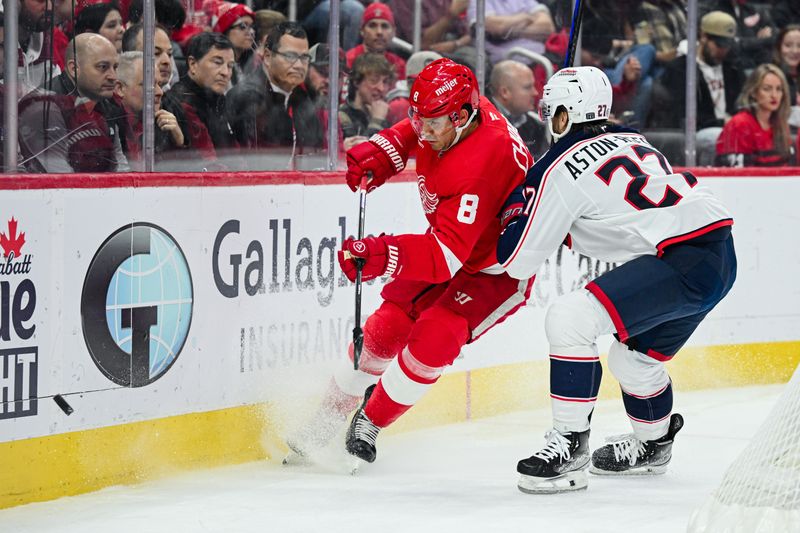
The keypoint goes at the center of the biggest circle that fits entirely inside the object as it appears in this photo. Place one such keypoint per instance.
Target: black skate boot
(626, 455)
(362, 433)
(559, 467)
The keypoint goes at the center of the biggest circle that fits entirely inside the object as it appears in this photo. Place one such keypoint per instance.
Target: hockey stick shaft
(574, 33)
(358, 333)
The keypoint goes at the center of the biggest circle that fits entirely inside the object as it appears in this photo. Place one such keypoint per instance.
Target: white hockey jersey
(612, 197)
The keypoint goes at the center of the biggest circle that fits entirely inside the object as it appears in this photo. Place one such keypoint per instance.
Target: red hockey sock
(381, 409)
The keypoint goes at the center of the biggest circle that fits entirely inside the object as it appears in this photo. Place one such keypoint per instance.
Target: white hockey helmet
(584, 92)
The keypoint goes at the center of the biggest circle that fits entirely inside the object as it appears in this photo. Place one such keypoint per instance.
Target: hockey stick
(574, 32)
(358, 333)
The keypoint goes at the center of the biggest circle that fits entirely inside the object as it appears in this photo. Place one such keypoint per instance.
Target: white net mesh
(761, 489)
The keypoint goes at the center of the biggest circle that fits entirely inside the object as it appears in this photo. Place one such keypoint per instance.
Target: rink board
(269, 315)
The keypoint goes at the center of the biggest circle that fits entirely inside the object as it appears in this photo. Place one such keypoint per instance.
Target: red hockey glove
(384, 155)
(380, 256)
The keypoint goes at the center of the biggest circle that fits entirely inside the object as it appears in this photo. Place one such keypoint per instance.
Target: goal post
(760, 491)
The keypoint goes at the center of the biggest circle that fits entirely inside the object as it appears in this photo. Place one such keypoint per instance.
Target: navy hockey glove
(513, 208)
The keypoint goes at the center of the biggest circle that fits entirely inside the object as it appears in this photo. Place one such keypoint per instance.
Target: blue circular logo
(136, 305)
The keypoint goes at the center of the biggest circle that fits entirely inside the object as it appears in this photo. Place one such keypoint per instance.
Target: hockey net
(761, 489)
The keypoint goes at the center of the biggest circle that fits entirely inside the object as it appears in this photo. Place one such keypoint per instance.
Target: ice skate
(626, 455)
(314, 436)
(362, 433)
(559, 467)
(309, 440)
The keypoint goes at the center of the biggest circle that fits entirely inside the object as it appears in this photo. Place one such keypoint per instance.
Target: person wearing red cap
(235, 21)
(377, 32)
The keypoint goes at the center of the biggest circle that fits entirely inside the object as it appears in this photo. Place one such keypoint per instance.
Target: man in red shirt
(445, 289)
(377, 32)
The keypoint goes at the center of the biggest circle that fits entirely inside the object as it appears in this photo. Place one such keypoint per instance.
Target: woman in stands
(235, 21)
(758, 135)
(104, 19)
(787, 56)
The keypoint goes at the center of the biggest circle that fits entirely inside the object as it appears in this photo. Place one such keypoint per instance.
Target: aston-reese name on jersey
(612, 196)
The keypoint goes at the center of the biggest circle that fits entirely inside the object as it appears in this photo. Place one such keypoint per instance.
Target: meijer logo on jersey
(446, 87)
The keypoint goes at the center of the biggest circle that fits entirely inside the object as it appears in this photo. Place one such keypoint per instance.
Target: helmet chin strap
(460, 130)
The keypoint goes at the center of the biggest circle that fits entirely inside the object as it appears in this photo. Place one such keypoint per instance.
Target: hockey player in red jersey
(446, 288)
(608, 194)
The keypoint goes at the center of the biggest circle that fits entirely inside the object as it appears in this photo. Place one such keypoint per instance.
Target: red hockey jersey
(462, 191)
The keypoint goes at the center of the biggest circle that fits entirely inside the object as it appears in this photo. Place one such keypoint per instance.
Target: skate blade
(569, 482)
(296, 459)
(649, 470)
(328, 459)
(354, 465)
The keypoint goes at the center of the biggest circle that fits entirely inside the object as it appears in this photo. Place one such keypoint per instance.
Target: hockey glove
(513, 208)
(379, 255)
(384, 155)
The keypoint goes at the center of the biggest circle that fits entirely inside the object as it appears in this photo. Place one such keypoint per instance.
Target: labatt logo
(12, 244)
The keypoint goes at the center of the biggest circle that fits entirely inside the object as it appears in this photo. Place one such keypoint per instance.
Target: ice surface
(456, 478)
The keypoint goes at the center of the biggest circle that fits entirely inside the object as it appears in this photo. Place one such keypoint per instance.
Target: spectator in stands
(756, 31)
(661, 23)
(444, 28)
(364, 113)
(758, 135)
(35, 60)
(57, 40)
(719, 83)
(265, 20)
(787, 56)
(630, 57)
(169, 13)
(172, 15)
(513, 91)
(595, 49)
(350, 15)
(133, 41)
(202, 93)
(235, 21)
(398, 96)
(271, 107)
(318, 78)
(75, 126)
(523, 23)
(377, 30)
(786, 12)
(103, 18)
(318, 85)
(129, 91)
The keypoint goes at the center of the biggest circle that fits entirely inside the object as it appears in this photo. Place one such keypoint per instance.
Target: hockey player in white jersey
(607, 193)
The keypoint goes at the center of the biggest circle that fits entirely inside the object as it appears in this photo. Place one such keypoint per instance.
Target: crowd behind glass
(241, 87)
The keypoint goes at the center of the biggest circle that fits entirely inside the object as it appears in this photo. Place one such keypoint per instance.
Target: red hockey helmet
(443, 88)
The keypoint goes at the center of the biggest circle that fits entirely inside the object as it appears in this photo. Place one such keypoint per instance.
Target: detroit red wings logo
(429, 200)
